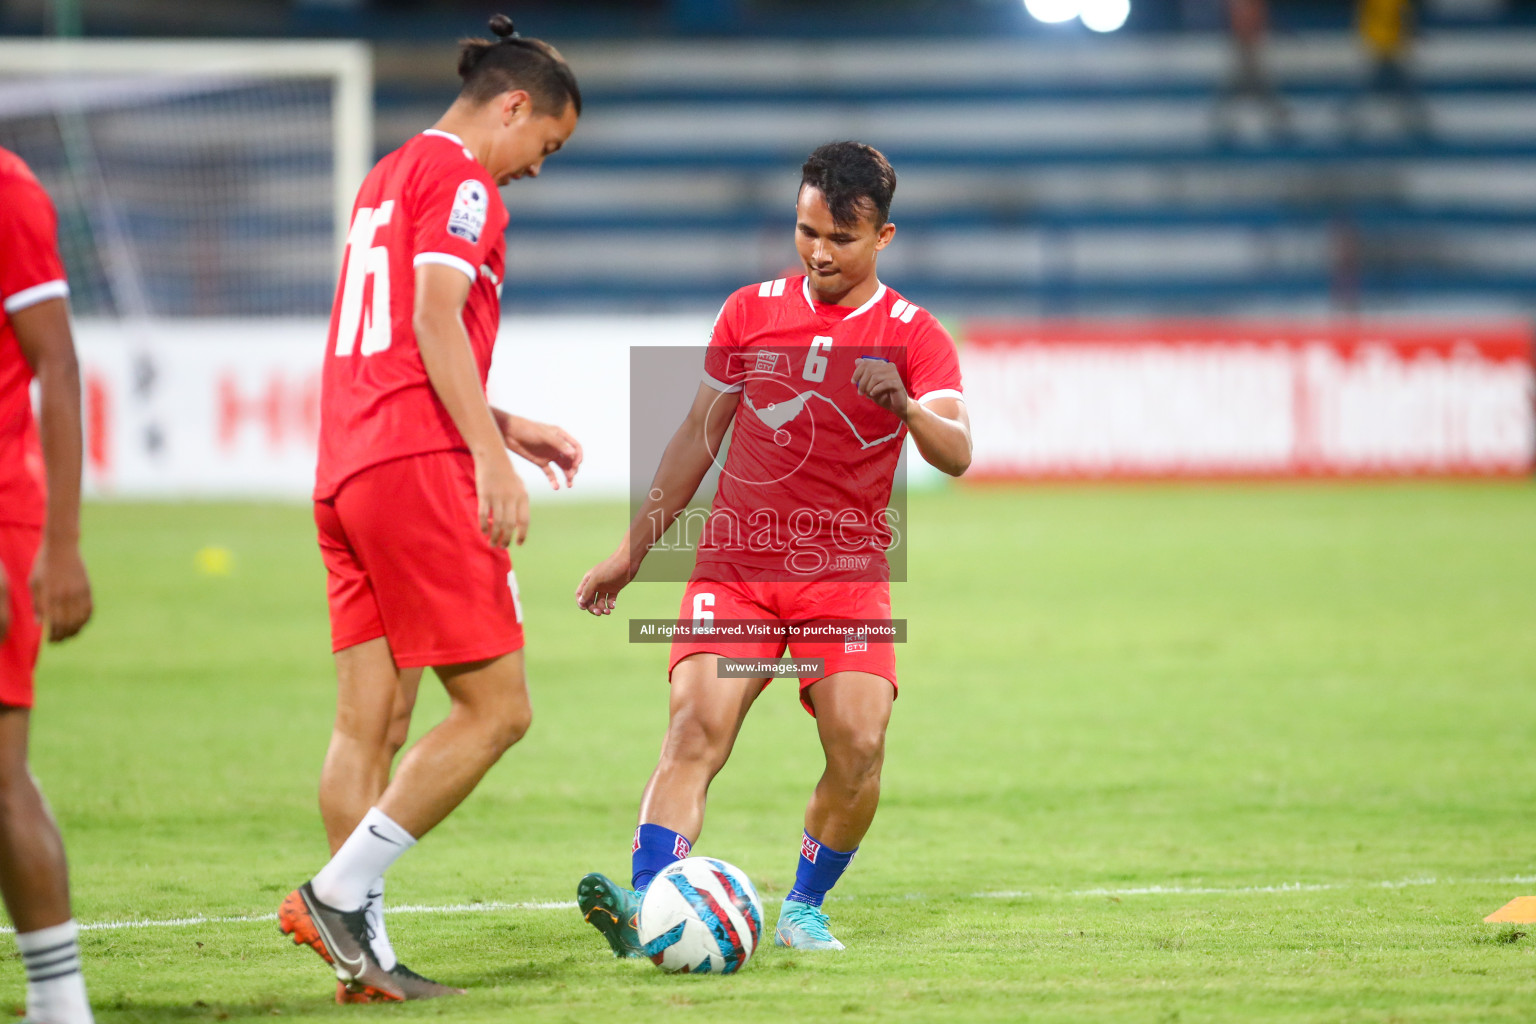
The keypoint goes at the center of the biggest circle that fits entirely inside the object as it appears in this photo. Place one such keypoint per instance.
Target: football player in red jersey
(43, 584)
(415, 497)
(823, 376)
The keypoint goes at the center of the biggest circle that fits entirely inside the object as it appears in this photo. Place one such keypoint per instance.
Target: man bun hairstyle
(490, 68)
(854, 178)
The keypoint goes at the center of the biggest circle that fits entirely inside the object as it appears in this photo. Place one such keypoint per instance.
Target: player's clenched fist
(879, 381)
(599, 589)
(61, 591)
(503, 500)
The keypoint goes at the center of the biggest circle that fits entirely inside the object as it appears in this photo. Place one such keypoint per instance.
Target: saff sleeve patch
(467, 218)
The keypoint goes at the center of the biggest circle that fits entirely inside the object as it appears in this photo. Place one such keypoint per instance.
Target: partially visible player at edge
(43, 585)
(889, 368)
(415, 497)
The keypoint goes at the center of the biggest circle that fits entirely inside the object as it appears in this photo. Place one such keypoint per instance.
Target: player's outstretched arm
(941, 428)
(686, 460)
(450, 364)
(543, 444)
(61, 590)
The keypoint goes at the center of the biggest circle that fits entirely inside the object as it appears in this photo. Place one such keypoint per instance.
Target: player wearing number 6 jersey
(416, 499)
(822, 376)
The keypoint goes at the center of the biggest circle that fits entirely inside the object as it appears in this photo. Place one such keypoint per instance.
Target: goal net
(193, 179)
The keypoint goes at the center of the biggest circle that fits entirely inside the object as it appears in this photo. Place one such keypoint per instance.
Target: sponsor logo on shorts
(858, 643)
(467, 218)
(809, 848)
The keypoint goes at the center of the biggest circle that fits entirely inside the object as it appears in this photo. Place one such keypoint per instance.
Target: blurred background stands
(1045, 169)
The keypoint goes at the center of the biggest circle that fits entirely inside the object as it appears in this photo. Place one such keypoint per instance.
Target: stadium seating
(1088, 178)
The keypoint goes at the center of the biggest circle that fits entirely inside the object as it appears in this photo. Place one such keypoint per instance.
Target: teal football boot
(612, 910)
(802, 926)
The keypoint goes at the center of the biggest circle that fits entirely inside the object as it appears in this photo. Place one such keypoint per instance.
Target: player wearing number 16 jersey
(416, 500)
(822, 376)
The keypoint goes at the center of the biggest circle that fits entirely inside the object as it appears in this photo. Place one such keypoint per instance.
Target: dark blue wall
(608, 19)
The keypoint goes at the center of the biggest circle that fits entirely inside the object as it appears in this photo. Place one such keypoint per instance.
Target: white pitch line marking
(404, 908)
(1011, 894)
(1284, 887)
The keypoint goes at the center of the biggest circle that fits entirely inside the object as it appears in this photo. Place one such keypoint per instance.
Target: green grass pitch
(1162, 754)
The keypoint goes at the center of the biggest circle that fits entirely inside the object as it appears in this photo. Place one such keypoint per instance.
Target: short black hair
(851, 175)
(513, 62)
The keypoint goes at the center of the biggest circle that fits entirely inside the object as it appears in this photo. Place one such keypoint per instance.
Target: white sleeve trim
(941, 393)
(37, 293)
(720, 385)
(447, 259)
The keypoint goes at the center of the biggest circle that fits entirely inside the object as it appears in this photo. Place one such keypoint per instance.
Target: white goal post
(349, 65)
(206, 177)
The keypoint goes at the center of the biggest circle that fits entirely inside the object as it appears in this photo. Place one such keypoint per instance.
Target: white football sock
(383, 952)
(55, 986)
(373, 846)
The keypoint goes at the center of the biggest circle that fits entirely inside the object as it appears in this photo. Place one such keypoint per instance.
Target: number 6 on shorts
(703, 617)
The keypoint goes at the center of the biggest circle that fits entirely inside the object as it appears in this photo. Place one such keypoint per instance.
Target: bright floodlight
(1105, 15)
(1054, 11)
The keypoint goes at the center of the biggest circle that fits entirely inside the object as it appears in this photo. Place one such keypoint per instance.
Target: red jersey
(430, 201)
(30, 272)
(807, 479)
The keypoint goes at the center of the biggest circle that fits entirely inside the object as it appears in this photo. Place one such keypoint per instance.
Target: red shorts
(406, 560)
(785, 601)
(18, 652)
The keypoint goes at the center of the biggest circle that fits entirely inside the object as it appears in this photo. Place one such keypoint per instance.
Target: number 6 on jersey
(815, 362)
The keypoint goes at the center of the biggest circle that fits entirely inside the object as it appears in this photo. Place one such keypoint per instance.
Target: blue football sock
(820, 868)
(655, 847)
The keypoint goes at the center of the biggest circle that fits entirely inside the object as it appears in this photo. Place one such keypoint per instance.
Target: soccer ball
(700, 916)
